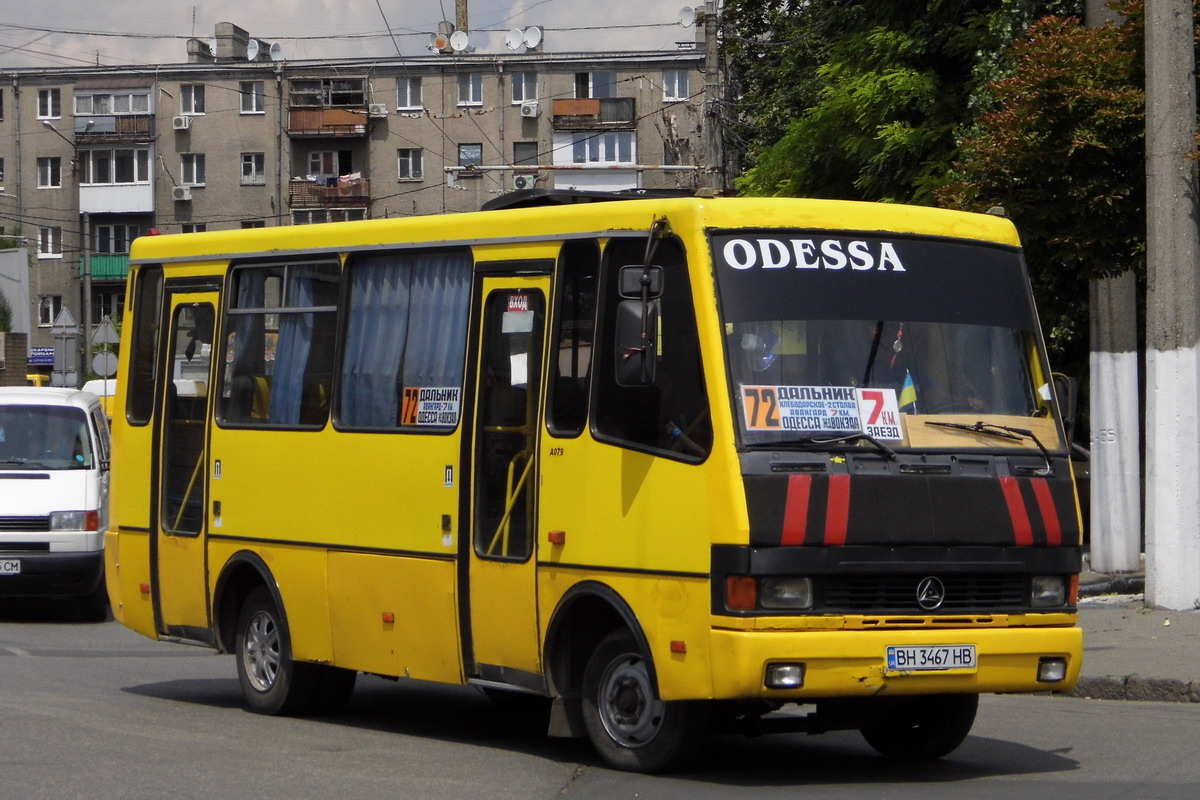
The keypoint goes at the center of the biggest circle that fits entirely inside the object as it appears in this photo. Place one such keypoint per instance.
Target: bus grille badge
(931, 592)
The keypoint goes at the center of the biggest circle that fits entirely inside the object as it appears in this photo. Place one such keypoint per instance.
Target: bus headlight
(785, 592)
(1048, 591)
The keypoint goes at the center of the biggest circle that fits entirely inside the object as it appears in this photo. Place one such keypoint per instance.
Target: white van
(54, 459)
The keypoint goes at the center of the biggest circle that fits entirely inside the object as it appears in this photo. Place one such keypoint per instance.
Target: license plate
(923, 658)
(10, 566)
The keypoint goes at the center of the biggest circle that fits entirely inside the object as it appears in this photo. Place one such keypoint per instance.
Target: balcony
(593, 113)
(108, 267)
(326, 122)
(102, 128)
(343, 193)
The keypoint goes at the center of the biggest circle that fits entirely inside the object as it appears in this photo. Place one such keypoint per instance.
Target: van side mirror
(1066, 389)
(635, 357)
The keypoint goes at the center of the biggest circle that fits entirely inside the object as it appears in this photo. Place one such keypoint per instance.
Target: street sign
(104, 364)
(105, 333)
(64, 324)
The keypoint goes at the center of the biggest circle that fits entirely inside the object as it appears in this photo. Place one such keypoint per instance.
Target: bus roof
(555, 221)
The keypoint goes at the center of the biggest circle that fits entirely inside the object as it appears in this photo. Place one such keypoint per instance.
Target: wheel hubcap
(630, 712)
(261, 655)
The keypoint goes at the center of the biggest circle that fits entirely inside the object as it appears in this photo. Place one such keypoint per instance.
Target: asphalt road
(97, 711)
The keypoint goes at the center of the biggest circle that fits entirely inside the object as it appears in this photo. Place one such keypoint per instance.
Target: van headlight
(1048, 591)
(74, 520)
(787, 592)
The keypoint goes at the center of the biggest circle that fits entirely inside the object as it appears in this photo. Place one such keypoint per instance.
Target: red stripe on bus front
(1045, 501)
(795, 512)
(1022, 529)
(837, 512)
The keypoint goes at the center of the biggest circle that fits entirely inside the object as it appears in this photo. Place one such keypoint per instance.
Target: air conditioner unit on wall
(182, 193)
(529, 108)
(524, 181)
(377, 110)
(181, 123)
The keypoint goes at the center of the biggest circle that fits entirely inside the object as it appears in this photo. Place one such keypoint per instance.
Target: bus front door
(180, 593)
(501, 642)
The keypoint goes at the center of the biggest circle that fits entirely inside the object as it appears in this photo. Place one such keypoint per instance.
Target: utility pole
(460, 15)
(714, 152)
(1115, 524)
(1172, 311)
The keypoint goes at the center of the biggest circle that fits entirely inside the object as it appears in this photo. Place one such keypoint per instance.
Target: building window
(192, 169)
(524, 87)
(49, 172)
(408, 93)
(254, 100)
(675, 85)
(470, 89)
(601, 83)
(118, 165)
(316, 215)
(470, 155)
(328, 92)
(191, 99)
(115, 239)
(107, 304)
(49, 104)
(50, 242)
(194, 227)
(253, 223)
(48, 307)
(1, 169)
(409, 163)
(108, 103)
(254, 172)
(525, 153)
(603, 148)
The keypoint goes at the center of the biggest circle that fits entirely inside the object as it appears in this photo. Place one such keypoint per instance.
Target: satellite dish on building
(275, 51)
(533, 36)
(687, 16)
(252, 50)
(459, 41)
(514, 39)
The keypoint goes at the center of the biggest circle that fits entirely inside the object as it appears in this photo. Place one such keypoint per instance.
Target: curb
(1135, 687)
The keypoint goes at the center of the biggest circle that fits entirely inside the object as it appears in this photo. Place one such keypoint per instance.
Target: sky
(66, 33)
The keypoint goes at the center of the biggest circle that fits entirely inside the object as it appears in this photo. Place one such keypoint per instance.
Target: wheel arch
(584, 615)
(244, 572)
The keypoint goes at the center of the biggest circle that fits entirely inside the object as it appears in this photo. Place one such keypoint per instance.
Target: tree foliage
(863, 99)
(1063, 153)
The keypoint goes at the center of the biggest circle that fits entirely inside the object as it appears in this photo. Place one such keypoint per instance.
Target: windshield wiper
(1000, 432)
(858, 436)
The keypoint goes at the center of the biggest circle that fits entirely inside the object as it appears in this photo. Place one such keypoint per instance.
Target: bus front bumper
(854, 663)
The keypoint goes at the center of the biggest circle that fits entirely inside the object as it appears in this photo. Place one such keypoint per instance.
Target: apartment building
(239, 136)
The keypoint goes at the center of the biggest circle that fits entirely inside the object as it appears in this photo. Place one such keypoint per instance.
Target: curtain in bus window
(295, 343)
(248, 328)
(408, 326)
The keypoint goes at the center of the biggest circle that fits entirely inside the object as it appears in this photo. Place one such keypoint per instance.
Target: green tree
(863, 99)
(5, 314)
(1063, 154)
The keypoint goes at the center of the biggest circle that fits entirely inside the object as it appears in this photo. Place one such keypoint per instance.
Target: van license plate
(906, 658)
(10, 566)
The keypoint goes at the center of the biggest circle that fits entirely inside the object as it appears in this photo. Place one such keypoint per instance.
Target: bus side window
(147, 304)
(575, 324)
(672, 415)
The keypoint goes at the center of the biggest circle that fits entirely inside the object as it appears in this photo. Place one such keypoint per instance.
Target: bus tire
(627, 723)
(272, 682)
(924, 727)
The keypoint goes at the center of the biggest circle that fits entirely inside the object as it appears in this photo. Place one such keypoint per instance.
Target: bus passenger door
(180, 564)
(503, 627)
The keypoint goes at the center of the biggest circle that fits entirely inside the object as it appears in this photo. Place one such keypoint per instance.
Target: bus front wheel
(924, 727)
(630, 727)
(271, 681)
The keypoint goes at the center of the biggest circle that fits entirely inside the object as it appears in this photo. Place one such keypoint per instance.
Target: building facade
(238, 136)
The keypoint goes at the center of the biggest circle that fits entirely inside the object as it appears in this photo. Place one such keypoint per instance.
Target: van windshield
(917, 342)
(44, 437)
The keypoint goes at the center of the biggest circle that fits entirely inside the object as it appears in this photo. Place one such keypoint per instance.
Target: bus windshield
(835, 336)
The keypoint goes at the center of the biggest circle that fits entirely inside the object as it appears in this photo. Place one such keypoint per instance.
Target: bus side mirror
(635, 356)
(1066, 389)
(633, 279)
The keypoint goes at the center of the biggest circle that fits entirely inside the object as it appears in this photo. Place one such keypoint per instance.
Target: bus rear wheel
(272, 683)
(630, 727)
(922, 728)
